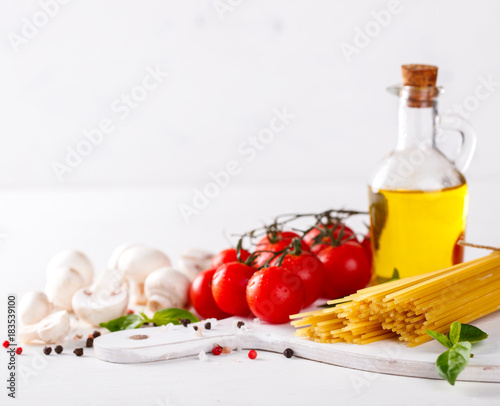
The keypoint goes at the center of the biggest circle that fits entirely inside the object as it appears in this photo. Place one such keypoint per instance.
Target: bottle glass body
(418, 198)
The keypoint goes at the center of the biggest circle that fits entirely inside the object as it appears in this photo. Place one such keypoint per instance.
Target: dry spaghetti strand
(406, 308)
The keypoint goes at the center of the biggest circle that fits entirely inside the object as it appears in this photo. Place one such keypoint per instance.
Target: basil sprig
(459, 343)
(160, 318)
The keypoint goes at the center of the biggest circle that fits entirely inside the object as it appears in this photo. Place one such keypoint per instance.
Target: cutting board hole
(139, 337)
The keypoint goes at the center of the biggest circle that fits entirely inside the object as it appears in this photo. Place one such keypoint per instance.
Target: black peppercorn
(78, 352)
(47, 350)
(96, 334)
(208, 325)
(240, 324)
(58, 349)
(288, 353)
(195, 328)
(90, 342)
(185, 322)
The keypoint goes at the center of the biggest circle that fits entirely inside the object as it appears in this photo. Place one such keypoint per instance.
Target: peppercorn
(96, 334)
(58, 349)
(195, 328)
(185, 322)
(217, 350)
(19, 350)
(47, 350)
(90, 342)
(240, 324)
(208, 325)
(288, 353)
(252, 354)
(6, 344)
(78, 352)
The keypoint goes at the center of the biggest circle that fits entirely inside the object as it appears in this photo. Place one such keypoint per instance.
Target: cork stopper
(419, 75)
(420, 85)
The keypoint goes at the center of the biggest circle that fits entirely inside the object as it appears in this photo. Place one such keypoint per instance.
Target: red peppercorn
(19, 350)
(6, 344)
(217, 350)
(252, 354)
(130, 311)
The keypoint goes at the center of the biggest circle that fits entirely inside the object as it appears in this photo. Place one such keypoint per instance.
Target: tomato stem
(323, 223)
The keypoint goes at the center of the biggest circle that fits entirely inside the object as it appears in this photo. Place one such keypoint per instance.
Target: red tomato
(200, 294)
(275, 247)
(229, 286)
(281, 235)
(229, 255)
(274, 293)
(335, 228)
(347, 269)
(311, 272)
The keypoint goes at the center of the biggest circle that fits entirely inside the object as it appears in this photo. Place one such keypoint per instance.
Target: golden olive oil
(417, 231)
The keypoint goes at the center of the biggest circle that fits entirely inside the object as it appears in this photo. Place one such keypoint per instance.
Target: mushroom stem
(137, 295)
(51, 330)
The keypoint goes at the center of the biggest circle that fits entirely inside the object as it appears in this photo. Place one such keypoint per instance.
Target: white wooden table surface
(36, 223)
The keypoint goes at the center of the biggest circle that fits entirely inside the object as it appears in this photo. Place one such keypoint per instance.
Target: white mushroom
(51, 330)
(75, 260)
(167, 288)
(115, 256)
(33, 307)
(62, 284)
(136, 263)
(194, 261)
(106, 300)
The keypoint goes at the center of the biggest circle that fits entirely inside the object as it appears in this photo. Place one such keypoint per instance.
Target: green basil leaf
(442, 338)
(472, 334)
(453, 361)
(166, 316)
(127, 322)
(145, 318)
(454, 333)
(395, 275)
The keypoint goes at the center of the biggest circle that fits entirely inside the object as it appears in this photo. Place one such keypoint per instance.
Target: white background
(226, 77)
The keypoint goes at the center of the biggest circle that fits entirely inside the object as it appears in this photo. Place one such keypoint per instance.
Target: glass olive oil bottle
(418, 196)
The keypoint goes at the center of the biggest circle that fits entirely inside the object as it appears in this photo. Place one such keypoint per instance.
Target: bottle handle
(456, 123)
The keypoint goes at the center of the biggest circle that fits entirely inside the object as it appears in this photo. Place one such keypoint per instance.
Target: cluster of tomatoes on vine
(287, 270)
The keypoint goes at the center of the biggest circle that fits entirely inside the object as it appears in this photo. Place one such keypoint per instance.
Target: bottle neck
(416, 126)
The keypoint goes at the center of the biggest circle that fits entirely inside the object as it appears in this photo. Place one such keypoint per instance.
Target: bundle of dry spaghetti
(408, 307)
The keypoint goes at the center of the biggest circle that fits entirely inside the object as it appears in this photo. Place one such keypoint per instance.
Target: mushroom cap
(33, 307)
(115, 256)
(167, 287)
(62, 285)
(194, 261)
(100, 306)
(72, 259)
(138, 262)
